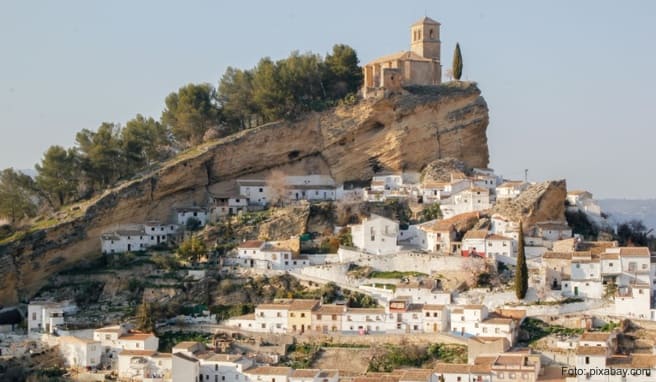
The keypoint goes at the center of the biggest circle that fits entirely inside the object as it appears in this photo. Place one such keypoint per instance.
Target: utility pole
(525, 175)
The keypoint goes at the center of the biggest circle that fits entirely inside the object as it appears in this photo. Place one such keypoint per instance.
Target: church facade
(418, 66)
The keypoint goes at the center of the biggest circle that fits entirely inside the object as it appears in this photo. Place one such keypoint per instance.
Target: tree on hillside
(457, 63)
(101, 157)
(235, 96)
(192, 249)
(344, 75)
(58, 175)
(190, 112)
(16, 196)
(632, 233)
(431, 212)
(144, 141)
(268, 94)
(145, 318)
(521, 270)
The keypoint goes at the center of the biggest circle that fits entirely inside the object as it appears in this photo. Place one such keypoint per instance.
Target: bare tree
(276, 181)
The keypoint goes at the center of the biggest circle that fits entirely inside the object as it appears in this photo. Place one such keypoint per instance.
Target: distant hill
(620, 210)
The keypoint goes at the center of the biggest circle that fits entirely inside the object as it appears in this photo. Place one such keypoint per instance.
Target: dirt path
(347, 361)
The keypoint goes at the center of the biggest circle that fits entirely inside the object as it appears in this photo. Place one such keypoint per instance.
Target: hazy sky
(570, 84)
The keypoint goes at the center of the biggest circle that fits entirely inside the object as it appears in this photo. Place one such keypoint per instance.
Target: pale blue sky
(569, 84)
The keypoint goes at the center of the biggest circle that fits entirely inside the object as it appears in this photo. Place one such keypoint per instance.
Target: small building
(116, 338)
(78, 352)
(269, 373)
(228, 205)
(144, 365)
(376, 235)
(268, 255)
(419, 66)
(469, 200)
(510, 189)
(132, 238)
(474, 243)
(46, 316)
(184, 214)
(435, 318)
(552, 231)
(423, 292)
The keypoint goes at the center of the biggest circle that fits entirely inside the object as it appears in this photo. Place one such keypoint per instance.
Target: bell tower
(425, 38)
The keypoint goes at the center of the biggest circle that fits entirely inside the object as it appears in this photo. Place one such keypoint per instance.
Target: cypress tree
(457, 63)
(521, 271)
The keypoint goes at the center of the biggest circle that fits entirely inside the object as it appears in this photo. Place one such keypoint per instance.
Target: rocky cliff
(540, 202)
(349, 142)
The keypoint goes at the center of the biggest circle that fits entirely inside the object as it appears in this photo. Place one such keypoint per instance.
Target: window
(33, 315)
(302, 315)
(263, 326)
(261, 190)
(278, 314)
(610, 264)
(587, 360)
(318, 316)
(427, 314)
(644, 266)
(334, 317)
(292, 314)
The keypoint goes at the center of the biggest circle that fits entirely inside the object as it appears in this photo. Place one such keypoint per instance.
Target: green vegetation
(192, 249)
(581, 225)
(302, 356)
(521, 270)
(390, 357)
(430, 212)
(457, 63)
(394, 274)
(16, 192)
(610, 326)
(193, 114)
(538, 329)
(169, 339)
(224, 312)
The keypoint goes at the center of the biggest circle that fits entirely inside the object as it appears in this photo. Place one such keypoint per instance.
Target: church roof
(426, 20)
(405, 55)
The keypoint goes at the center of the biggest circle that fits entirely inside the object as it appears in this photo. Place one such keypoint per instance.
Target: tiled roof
(476, 234)
(591, 350)
(251, 244)
(595, 336)
(635, 251)
(270, 370)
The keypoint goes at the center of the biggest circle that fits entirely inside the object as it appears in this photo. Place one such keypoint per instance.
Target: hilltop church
(418, 66)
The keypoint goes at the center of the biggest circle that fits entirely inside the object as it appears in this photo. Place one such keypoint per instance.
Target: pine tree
(521, 271)
(457, 63)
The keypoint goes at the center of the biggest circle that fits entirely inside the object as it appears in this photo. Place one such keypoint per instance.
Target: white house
(383, 182)
(583, 201)
(45, 316)
(184, 368)
(474, 320)
(132, 237)
(585, 277)
(437, 236)
(376, 235)
(474, 243)
(78, 352)
(310, 187)
(228, 205)
(267, 255)
(423, 292)
(553, 231)
(432, 192)
(500, 247)
(510, 189)
(269, 374)
(469, 200)
(183, 215)
(144, 365)
(255, 190)
(224, 367)
(435, 318)
(117, 338)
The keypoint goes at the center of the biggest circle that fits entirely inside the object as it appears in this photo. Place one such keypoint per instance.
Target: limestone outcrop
(400, 132)
(544, 201)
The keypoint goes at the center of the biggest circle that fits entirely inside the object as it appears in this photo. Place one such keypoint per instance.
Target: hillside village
(419, 263)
